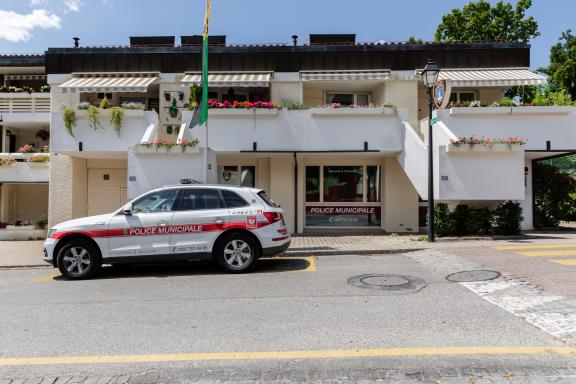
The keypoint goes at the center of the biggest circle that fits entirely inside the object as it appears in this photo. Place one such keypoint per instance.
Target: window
(233, 200)
(373, 183)
(312, 184)
(463, 96)
(267, 199)
(195, 199)
(343, 184)
(348, 98)
(237, 175)
(160, 201)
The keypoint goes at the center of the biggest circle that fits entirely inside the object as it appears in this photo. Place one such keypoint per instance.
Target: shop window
(343, 184)
(373, 183)
(312, 184)
(244, 175)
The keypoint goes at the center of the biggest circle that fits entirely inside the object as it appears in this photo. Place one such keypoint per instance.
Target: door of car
(144, 232)
(198, 220)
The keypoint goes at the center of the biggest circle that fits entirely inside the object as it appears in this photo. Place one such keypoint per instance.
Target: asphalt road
(297, 319)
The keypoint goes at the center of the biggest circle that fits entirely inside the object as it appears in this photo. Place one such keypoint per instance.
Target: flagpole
(204, 112)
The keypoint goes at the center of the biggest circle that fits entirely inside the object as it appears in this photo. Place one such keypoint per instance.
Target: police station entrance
(343, 196)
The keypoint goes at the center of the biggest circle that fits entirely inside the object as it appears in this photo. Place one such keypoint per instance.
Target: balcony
(25, 107)
(316, 129)
(103, 141)
(545, 128)
(22, 171)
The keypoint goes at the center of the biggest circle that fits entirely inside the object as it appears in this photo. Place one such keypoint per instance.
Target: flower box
(242, 112)
(175, 150)
(82, 113)
(484, 148)
(352, 111)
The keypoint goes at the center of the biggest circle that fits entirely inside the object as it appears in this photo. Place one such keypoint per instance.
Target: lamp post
(430, 77)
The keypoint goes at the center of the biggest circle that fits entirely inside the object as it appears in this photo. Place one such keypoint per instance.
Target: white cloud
(35, 3)
(72, 5)
(18, 27)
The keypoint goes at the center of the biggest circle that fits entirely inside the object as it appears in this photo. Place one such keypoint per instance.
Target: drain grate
(387, 282)
(473, 276)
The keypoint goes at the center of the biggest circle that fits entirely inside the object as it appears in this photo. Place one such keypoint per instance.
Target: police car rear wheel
(79, 259)
(236, 253)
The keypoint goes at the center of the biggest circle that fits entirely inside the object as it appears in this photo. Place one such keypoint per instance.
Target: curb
(349, 252)
(33, 266)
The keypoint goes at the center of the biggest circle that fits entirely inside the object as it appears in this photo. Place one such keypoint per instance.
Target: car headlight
(51, 231)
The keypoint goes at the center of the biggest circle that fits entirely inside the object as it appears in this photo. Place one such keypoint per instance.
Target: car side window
(233, 200)
(159, 201)
(194, 199)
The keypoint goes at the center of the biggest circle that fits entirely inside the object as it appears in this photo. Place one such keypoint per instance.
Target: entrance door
(105, 189)
(145, 231)
(198, 220)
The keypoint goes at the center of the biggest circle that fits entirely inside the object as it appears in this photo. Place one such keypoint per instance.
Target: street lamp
(429, 78)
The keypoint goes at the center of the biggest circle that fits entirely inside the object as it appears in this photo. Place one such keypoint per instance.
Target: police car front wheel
(236, 253)
(79, 259)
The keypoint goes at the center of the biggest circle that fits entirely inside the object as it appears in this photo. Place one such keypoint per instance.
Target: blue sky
(30, 26)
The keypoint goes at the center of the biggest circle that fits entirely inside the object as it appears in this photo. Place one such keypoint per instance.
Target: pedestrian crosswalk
(550, 252)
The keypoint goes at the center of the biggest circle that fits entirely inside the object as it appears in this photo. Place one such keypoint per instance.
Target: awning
(24, 77)
(497, 77)
(376, 74)
(113, 82)
(230, 79)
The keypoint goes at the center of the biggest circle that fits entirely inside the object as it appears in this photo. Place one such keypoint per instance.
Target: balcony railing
(24, 102)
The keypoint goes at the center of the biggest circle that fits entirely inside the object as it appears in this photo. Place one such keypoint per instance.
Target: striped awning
(24, 77)
(230, 79)
(377, 74)
(113, 82)
(497, 77)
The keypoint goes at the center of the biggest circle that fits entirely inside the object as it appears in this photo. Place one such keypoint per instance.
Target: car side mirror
(127, 211)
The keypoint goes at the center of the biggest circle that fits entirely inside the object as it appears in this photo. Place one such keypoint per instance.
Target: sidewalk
(15, 254)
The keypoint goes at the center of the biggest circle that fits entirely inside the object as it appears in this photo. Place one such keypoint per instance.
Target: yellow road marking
(46, 278)
(313, 354)
(533, 246)
(311, 260)
(548, 253)
(310, 263)
(565, 261)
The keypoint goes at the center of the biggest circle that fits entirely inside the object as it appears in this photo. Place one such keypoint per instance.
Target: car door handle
(162, 223)
(219, 220)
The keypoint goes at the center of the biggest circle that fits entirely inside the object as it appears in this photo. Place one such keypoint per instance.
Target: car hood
(84, 221)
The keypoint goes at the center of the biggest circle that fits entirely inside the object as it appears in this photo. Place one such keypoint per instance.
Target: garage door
(106, 190)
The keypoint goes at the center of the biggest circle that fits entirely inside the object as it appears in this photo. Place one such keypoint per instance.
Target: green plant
(104, 104)
(39, 158)
(116, 119)
(194, 97)
(42, 223)
(291, 105)
(389, 105)
(460, 220)
(552, 189)
(93, 116)
(480, 221)
(69, 118)
(443, 225)
(562, 69)
(504, 102)
(507, 218)
(174, 108)
(7, 161)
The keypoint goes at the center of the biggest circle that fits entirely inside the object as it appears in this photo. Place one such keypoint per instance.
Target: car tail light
(282, 231)
(273, 217)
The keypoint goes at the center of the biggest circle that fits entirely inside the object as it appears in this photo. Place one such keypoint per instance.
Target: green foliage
(413, 40)
(507, 219)
(42, 223)
(104, 104)
(562, 69)
(443, 225)
(524, 93)
(69, 118)
(116, 119)
(93, 116)
(174, 108)
(466, 221)
(552, 190)
(547, 97)
(565, 164)
(291, 105)
(481, 21)
(504, 102)
(194, 97)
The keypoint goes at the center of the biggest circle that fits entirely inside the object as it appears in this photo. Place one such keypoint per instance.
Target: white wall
(282, 186)
(400, 212)
(156, 170)
(414, 160)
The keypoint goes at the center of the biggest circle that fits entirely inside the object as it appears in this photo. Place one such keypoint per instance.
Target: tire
(79, 259)
(237, 253)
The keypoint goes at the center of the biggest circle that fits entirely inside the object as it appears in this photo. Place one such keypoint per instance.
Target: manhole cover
(473, 276)
(387, 282)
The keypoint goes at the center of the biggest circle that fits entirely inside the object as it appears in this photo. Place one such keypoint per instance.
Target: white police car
(232, 225)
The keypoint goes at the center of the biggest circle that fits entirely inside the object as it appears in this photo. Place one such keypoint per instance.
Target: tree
(552, 190)
(562, 68)
(480, 21)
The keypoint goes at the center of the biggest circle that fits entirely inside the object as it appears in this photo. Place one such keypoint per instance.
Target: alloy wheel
(76, 260)
(237, 253)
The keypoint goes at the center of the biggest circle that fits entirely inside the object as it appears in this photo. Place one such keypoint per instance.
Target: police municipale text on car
(232, 225)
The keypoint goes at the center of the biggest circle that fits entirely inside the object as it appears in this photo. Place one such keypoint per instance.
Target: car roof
(224, 186)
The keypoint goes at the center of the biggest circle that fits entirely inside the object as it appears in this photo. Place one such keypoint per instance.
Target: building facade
(347, 150)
